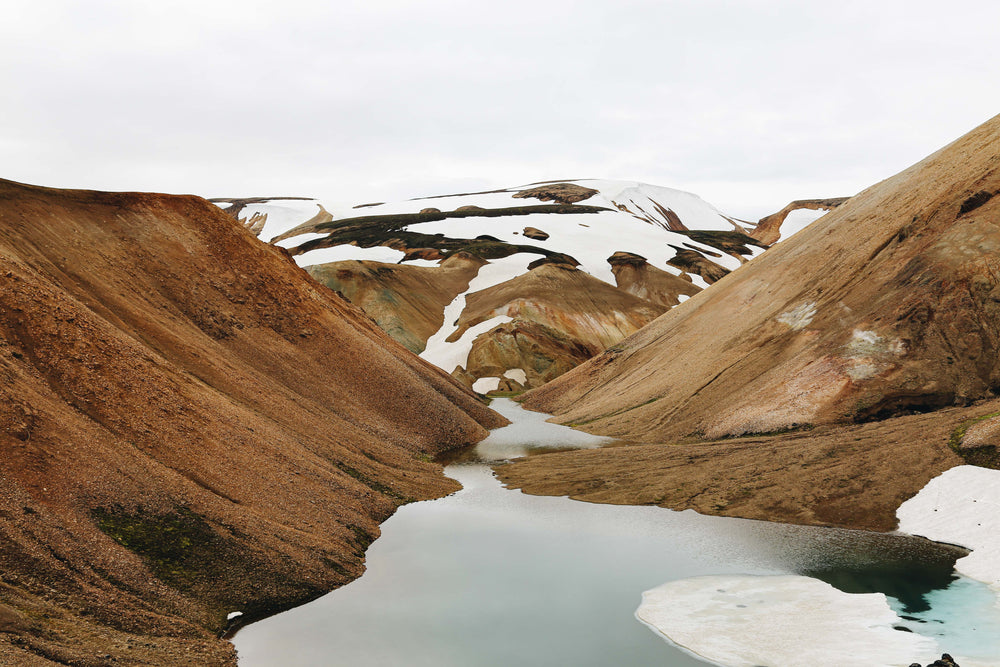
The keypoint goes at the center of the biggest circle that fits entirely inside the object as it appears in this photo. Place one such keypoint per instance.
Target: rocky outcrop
(190, 426)
(541, 352)
(579, 315)
(693, 261)
(768, 229)
(637, 277)
(534, 233)
(563, 193)
(406, 301)
(886, 306)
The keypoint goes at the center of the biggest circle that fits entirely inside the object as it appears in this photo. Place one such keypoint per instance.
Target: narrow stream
(490, 576)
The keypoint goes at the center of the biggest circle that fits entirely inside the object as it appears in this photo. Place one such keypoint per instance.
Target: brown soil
(189, 426)
(854, 476)
(571, 301)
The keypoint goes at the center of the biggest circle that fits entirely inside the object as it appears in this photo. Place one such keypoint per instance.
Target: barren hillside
(189, 427)
(886, 306)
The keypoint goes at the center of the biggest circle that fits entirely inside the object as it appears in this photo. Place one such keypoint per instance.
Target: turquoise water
(489, 576)
(962, 617)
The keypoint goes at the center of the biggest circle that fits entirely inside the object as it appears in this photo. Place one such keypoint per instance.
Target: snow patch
(300, 239)
(447, 356)
(798, 220)
(517, 375)
(868, 343)
(484, 385)
(961, 506)
(792, 621)
(862, 371)
(343, 252)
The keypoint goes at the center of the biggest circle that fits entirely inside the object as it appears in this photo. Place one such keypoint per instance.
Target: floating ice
(783, 621)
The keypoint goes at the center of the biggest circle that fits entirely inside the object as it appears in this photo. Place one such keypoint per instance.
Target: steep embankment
(189, 427)
(887, 305)
(855, 336)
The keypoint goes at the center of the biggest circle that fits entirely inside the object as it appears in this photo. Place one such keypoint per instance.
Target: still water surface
(490, 576)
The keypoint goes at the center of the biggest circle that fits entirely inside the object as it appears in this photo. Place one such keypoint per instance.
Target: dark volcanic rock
(533, 233)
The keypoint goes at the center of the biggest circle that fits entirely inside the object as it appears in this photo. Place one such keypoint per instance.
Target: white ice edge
(960, 507)
(784, 620)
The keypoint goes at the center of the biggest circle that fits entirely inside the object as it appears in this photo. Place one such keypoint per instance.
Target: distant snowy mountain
(509, 288)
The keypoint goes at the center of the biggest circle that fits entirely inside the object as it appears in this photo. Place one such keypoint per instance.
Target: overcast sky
(748, 104)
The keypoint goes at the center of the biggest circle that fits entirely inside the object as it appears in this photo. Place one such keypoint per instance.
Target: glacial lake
(490, 576)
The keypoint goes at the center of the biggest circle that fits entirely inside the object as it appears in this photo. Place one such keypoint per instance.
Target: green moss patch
(176, 545)
(984, 457)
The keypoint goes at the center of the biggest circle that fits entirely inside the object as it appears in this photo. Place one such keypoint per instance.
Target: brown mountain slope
(561, 296)
(887, 305)
(640, 278)
(406, 301)
(561, 316)
(189, 426)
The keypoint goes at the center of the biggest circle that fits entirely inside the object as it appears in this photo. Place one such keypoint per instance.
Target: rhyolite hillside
(510, 288)
(888, 305)
(190, 426)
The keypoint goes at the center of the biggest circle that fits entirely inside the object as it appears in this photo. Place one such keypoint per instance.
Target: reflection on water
(528, 433)
(489, 576)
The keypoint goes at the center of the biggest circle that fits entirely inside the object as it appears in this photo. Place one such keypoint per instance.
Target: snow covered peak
(587, 220)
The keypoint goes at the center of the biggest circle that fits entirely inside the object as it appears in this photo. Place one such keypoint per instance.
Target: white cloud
(750, 104)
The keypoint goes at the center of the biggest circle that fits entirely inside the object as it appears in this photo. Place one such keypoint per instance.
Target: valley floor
(853, 475)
